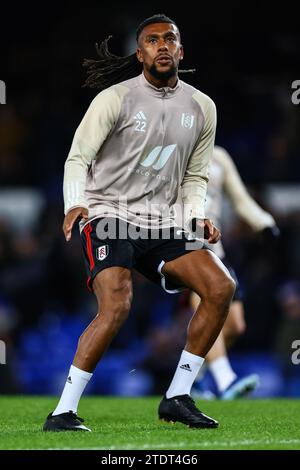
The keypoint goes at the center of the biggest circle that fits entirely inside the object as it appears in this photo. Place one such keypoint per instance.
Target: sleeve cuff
(192, 212)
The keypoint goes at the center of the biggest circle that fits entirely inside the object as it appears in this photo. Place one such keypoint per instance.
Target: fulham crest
(102, 252)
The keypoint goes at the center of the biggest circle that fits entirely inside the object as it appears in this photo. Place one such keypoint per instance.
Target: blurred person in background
(9, 322)
(225, 180)
(124, 146)
(287, 340)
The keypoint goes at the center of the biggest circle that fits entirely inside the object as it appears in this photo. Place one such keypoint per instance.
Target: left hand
(270, 238)
(211, 233)
(271, 234)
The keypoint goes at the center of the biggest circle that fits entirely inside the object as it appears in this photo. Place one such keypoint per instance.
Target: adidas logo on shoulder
(140, 116)
(186, 367)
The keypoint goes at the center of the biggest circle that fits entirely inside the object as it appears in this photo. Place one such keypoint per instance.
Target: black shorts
(146, 255)
(238, 295)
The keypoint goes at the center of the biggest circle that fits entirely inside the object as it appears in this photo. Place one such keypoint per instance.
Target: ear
(181, 55)
(139, 55)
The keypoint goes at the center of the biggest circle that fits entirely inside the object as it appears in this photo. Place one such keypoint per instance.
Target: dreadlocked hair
(111, 69)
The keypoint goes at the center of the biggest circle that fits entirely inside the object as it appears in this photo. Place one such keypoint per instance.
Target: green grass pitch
(132, 423)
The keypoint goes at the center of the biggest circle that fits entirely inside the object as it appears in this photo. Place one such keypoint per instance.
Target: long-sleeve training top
(135, 146)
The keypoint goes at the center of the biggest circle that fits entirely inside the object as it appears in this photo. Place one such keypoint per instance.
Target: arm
(89, 136)
(194, 183)
(243, 203)
(94, 128)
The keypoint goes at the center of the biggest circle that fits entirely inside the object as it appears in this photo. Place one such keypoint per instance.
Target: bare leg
(234, 326)
(205, 274)
(113, 289)
(217, 359)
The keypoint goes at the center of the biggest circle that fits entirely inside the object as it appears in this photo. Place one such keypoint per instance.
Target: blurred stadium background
(251, 55)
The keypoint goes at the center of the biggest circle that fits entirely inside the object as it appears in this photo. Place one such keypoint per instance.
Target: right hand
(208, 231)
(70, 219)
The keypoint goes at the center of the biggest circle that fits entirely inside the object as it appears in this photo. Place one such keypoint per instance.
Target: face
(159, 50)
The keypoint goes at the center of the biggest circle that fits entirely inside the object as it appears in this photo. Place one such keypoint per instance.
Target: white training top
(133, 149)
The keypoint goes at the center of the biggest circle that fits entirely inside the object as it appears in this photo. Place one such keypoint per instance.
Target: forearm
(88, 139)
(193, 196)
(74, 183)
(245, 206)
(194, 183)
(253, 214)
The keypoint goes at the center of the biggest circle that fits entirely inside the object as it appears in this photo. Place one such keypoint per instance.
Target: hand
(270, 236)
(271, 233)
(70, 219)
(211, 233)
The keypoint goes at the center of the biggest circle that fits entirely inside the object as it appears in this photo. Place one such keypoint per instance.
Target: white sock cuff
(220, 362)
(186, 372)
(80, 373)
(187, 356)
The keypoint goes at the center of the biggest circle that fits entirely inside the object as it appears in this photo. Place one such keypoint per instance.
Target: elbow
(76, 160)
(196, 180)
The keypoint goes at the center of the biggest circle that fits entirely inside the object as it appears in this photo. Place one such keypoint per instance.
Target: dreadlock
(110, 68)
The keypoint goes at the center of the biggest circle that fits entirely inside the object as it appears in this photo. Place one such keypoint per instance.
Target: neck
(161, 83)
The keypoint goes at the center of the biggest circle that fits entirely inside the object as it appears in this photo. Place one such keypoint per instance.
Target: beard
(163, 75)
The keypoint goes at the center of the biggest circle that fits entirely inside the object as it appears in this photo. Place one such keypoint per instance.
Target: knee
(222, 290)
(119, 312)
(116, 306)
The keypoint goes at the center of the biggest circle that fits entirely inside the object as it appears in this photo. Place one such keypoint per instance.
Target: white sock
(201, 372)
(186, 372)
(222, 372)
(76, 382)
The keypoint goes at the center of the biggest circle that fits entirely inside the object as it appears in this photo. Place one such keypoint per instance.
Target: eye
(152, 40)
(171, 39)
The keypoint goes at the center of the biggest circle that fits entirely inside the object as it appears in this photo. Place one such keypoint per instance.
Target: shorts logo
(102, 252)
